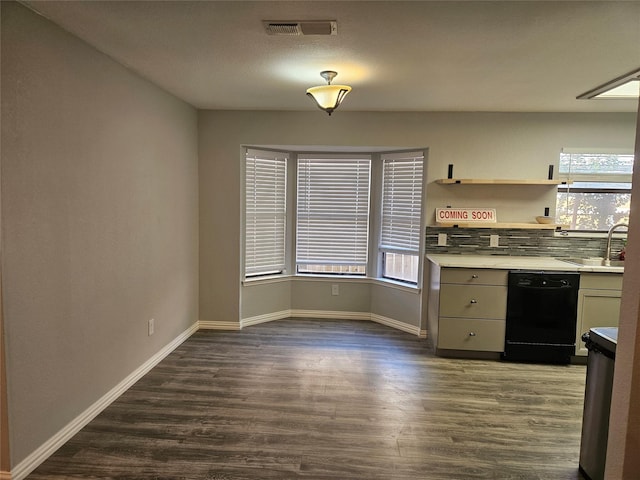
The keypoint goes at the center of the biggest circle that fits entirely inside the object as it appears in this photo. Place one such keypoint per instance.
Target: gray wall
(316, 295)
(485, 145)
(100, 223)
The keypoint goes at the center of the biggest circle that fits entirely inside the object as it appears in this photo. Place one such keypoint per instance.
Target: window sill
(266, 279)
(330, 278)
(386, 282)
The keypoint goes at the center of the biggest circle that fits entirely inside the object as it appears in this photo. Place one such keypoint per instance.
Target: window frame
(402, 210)
(571, 178)
(277, 266)
(313, 171)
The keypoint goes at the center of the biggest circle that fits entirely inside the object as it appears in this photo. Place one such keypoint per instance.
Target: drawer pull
(472, 334)
(474, 301)
(474, 276)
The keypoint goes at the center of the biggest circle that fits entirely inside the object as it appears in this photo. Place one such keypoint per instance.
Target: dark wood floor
(323, 399)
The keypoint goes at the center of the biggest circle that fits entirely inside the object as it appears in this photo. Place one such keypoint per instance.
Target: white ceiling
(531, 56)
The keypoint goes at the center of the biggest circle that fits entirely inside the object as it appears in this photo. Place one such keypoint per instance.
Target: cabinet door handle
(474, 301)
(472, 334)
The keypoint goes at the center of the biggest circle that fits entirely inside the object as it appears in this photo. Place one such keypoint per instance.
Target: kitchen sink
(617, 263)
(593, 262)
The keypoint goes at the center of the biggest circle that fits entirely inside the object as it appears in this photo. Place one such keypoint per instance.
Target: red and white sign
(466, 215)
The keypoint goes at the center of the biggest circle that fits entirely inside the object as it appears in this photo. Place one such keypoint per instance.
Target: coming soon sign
(466, 215)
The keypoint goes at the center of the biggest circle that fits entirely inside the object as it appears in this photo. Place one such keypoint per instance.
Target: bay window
(339, 214)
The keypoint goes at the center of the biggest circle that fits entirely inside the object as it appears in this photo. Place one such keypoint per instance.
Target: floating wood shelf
(540, 226)
(488, 181)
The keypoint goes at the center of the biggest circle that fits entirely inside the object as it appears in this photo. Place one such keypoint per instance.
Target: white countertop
(516, 263)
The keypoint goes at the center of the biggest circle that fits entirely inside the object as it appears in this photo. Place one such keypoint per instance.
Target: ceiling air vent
(302, 27)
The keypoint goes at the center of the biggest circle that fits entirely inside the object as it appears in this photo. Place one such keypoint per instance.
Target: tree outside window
(598, 192)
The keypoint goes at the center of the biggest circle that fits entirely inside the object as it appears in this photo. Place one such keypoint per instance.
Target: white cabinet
(598, 304)
(467, 309)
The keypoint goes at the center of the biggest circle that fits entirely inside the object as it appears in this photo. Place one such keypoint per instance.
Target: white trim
(331, 314)
(251, 281)
(336, 315)
(267, 317)
(372, 317)
(31, 462)
(389, 283)
(302, 277)
(313, 277)
(390, 322)
(213, 325)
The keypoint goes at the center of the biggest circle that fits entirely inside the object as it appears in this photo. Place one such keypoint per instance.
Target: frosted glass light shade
(328, 97)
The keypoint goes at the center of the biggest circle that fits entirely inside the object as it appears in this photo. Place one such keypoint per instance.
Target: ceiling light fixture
(626, 86)
(328, 97)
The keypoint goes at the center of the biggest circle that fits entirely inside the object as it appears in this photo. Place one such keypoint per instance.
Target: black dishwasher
(541, 316)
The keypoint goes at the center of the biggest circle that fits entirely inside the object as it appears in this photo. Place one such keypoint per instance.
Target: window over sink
(599, 193)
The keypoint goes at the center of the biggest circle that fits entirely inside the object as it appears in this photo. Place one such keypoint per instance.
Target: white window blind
(333, 209)
(265, 212)
(401, 202)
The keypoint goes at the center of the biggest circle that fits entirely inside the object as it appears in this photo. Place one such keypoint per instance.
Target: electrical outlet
(151, 326)
(335, 289)
(442, 239)
(494, 240)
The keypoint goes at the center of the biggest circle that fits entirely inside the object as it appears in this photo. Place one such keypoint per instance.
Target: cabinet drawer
(473, 276)
(603, 281)
(471, 334)
(473, 301)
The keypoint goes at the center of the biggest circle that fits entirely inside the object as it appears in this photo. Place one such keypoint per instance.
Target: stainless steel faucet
(607, 256)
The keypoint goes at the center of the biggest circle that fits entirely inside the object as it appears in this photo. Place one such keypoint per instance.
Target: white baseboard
(30, 463)
(267, 317)
(331, 314)
(212, 325)
(390, 322)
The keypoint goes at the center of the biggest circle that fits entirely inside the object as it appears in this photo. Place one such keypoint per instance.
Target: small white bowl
(545, 219)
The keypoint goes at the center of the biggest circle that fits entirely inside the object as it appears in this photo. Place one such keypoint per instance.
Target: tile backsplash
(527, 242)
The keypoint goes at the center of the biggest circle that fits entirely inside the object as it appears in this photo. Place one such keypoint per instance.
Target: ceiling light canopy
(328, 97)
(626, 86)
